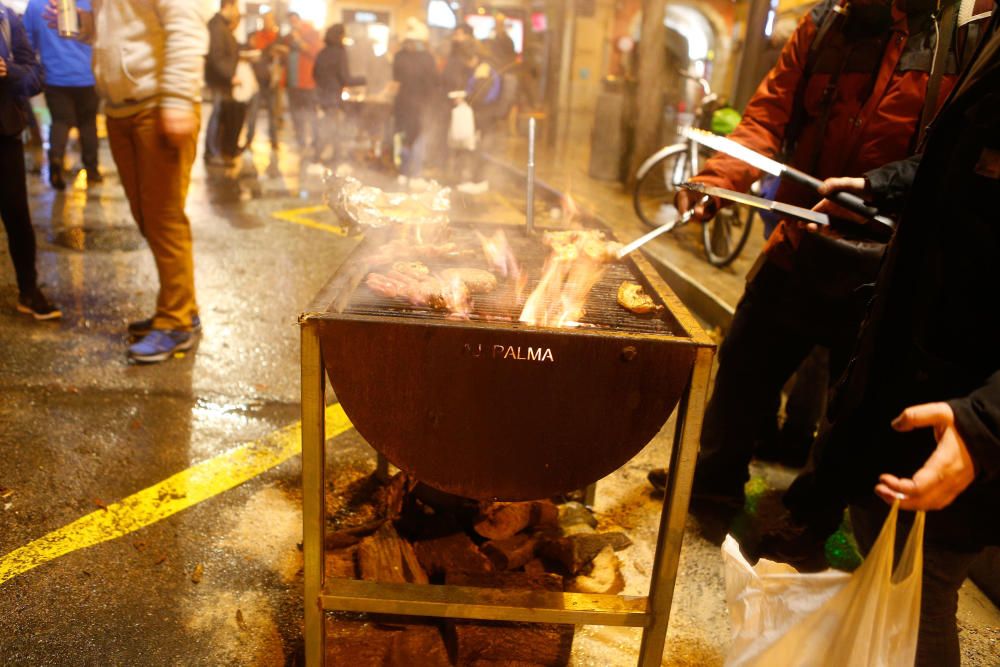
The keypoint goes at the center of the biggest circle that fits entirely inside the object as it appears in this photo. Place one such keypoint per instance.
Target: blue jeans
(212, 139)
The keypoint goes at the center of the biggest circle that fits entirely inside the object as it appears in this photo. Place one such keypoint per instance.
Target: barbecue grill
(488, 407)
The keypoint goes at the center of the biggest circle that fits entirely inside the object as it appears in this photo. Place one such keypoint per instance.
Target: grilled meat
(632, 297)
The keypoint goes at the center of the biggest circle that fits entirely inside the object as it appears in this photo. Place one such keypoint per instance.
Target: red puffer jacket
(873, 118)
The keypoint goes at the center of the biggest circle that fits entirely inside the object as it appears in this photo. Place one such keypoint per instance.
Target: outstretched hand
(839, 184)
(947, 472)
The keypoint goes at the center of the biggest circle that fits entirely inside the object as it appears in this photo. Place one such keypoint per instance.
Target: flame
(577, 262)
(571, 212)
(501, 257)
(456, 298)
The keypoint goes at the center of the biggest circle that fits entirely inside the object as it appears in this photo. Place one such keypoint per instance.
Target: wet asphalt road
(80, 427)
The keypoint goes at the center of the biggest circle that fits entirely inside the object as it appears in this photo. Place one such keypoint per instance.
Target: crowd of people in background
(424, 110)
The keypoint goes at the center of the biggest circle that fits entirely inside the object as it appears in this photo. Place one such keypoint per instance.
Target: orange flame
(577, 262)
(500, 255)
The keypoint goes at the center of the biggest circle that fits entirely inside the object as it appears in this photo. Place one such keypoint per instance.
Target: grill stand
(651, 612)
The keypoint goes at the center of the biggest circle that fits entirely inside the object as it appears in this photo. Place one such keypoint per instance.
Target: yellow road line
(189, 487)
(300, 216)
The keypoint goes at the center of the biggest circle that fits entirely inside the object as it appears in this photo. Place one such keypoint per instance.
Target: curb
(704, 303)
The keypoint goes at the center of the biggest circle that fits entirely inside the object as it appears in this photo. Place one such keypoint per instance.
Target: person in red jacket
(304, 44)
(846, 95)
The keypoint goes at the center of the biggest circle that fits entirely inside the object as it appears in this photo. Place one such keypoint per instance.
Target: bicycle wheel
(653, 197)
(726, 234)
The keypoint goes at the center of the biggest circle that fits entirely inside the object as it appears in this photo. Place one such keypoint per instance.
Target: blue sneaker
(141, 328)
(160, 345)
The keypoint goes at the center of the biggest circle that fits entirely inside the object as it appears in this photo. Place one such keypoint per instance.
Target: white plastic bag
(245, 86)
(868, 618)
(462, 131)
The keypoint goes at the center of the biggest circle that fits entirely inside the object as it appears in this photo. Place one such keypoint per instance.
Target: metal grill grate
(500, 306)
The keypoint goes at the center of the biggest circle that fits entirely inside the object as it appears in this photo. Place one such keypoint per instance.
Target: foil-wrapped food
(421, 216)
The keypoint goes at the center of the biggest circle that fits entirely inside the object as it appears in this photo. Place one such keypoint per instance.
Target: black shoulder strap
(946, 19)
(835, 15)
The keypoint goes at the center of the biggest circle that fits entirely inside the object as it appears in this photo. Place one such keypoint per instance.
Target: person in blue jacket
(69, 92)
(21, 76)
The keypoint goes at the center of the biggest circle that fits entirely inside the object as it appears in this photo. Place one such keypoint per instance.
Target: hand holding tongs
(662, 229)
(849, 201)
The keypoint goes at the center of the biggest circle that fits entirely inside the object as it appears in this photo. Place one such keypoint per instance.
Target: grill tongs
(729, 195)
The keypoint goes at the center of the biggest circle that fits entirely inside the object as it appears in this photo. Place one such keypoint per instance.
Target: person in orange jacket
(851, 91)
(304, 44)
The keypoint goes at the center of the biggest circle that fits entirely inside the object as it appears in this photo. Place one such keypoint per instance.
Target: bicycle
(661, 176)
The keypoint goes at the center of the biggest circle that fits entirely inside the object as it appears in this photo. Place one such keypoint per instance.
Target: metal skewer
(662, 229)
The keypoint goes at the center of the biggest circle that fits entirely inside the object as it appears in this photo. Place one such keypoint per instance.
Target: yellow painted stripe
(190, 487)
(300, 216)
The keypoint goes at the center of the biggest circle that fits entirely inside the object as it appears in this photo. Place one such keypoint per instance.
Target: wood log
(575, 552)
(453, 553)
(499, 521)
(500, 643)
(370, 642)
(535, 566)
(512, 553)
(346, 537)
(341, 563)
(574, 518)
(389, 499)
(381, 557)
(605, 575)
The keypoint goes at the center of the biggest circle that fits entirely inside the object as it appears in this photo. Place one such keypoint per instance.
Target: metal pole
(530, 196)
(313, 438)
(683, 452)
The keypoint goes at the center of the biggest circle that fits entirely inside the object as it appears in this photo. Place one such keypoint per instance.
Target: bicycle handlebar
(701, 81)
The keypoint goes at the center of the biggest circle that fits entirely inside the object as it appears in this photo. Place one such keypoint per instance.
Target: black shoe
(658, 478)
(800, 545)
(36, 305)
(142, 328)
(56, 179)
(700, 491)
(94, 177)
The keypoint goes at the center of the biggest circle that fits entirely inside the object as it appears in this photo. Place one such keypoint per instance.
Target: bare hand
(839, 184)
(3, 68)
(177, 124)
(685, 199)
(947, 472)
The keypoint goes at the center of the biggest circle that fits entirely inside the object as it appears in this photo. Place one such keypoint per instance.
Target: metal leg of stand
(683, 455)
(313, 467)
(381, 468)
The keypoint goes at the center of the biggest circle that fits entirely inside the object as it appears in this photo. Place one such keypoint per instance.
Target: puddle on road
(101, 239)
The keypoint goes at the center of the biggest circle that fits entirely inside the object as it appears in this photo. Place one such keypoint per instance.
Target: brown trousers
(156, 176)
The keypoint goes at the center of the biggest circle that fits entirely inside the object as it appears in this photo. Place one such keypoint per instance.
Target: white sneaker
(402, 180)
(473, 188)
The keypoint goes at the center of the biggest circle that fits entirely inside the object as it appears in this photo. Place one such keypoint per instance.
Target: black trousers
(776, 325)
(945, 569)
(72, 106)
(15, 213)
